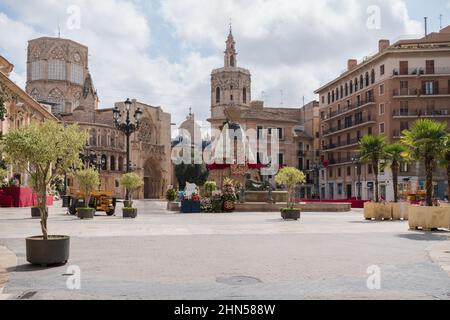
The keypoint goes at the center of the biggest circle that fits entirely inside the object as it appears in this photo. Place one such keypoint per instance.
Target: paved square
(162, 255)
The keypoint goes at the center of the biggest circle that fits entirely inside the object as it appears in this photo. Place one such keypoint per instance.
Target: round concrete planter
(290, 214)
(129, 212)
(85, 213)
(53, 251)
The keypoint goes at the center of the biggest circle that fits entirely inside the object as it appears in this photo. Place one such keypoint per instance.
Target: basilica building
(58, 77)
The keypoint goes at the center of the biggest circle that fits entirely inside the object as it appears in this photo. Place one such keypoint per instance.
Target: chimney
(383, 45)
(351, 64)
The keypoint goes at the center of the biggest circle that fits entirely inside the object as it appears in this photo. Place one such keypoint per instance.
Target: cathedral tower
(230, 85)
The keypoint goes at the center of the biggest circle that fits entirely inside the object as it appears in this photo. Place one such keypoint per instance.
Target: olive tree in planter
(132, 182)
(44, 150)
(88, 180)
(290, 177)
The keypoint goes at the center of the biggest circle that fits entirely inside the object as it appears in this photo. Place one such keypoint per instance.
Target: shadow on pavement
(428, 236)
(30, 268)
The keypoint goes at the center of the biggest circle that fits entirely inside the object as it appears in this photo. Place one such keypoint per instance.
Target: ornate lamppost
(127, 127)
(357, 162)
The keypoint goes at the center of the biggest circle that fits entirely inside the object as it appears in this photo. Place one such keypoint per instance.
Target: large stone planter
(55, 250)
(429, 218)
(400, 211)
(377, 211)
(293, 214)
(129, 213)
(173, 206)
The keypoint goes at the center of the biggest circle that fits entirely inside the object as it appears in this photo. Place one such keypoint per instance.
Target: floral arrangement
(229, 191)
(217, 201)
(195, 197)
(206, 205)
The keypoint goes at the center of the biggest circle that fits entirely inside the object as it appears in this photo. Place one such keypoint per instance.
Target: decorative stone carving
(56, 95)
(146, 130)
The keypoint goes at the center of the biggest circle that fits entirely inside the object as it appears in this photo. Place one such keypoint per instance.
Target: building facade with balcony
(384, 94)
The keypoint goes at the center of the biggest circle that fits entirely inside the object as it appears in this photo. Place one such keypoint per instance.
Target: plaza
(162, 255)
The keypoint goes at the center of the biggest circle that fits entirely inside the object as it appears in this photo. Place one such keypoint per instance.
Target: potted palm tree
(44, 150)
(132, 182)
(290, 177)
(426, 140)
(372, 150)
(395, 154)
(88, 180)
(445, 162)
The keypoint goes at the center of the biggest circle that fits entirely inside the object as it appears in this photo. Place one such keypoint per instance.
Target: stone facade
(58, 75)
(18, 110)
(231, 101)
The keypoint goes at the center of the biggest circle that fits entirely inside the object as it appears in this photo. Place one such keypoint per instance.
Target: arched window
(351, 86)
(244, 95)
(373, 76)
(356, 84)
(342, 92)
(232, 61)
(367, 79)
(104, 162)
(218, 95)
(113, 163)
(346, 89)
(361, 82)
(121, 164)
(93, 137)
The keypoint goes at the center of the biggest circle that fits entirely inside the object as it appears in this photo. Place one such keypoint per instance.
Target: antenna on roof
(426, 26)
(59, 29)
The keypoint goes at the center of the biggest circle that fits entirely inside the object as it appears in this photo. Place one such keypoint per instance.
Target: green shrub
(171, 195)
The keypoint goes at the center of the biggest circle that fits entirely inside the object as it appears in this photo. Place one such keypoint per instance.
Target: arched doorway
(152, 179)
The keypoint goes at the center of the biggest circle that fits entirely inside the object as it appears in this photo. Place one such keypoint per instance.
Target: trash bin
(66, 201)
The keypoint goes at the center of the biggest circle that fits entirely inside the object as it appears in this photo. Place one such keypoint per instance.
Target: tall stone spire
(230, 52)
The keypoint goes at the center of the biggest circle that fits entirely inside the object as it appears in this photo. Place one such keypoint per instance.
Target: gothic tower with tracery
(230, 85)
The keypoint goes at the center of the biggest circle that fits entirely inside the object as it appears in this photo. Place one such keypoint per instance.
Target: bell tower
(230, 85)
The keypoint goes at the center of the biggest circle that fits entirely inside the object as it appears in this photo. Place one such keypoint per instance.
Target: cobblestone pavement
(162, 255)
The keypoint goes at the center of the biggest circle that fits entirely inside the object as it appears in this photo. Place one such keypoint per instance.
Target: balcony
(334, 162)
(364, 121)
(444, 113)
(421, 93)
(349, 108)
(421, 72)
(351, 142)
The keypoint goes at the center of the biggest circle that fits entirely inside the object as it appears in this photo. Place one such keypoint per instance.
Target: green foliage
(395, 155)
(44, 150)
(372, 150)
(192, 173)
(425, 141)
(132, 182)
(3, 176)
(171, 195)
(88, 180)
(210, 187)
(290, 177)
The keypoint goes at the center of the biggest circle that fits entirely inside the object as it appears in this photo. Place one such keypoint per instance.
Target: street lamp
(316, 167)
(127, 127)
(357, 162)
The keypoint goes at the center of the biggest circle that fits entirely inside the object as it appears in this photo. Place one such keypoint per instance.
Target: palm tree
(425, 141)
(395, 154)
(372, 150)
(445, 161)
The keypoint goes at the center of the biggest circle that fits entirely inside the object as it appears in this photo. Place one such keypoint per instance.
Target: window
(342, 92)
(369, 169)
(372, 76)
(356, 84)
(381, 89)
(329, 98)
(280, 133)
(404, 108)
(113, 163)
(382, 128)
(37, 70)
(361, 82)
(323, 99)
(56, 70)
(77, 74)
(404, 67)
(351, 86)
(259, 132)
(280, 158)
(232, 61)
(339, 172)
(404, 167)
(330, 173)
(349, 171)
(369, 131)
(430, 87)
(346, 89)
(382, 70)
(381, 109)
(429, 69)
(340, 188)
(244, 95)
(367, 79)
(217, 95)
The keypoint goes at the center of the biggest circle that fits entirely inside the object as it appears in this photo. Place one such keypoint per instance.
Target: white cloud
(292, 46)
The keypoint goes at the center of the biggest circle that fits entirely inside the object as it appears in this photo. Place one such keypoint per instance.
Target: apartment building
(384, 94)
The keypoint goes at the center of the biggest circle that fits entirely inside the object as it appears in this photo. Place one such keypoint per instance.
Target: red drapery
(20, 197)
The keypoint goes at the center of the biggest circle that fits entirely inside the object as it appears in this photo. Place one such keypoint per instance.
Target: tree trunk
(448, 181)
(395, 169)
(42, 203)
(375, 171)
(429, 181)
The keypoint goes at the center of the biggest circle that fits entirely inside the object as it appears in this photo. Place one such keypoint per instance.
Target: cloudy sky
(162, 51)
